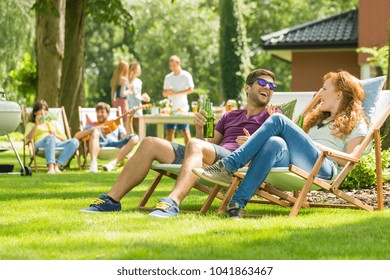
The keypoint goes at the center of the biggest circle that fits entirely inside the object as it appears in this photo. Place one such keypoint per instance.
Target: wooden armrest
(239, 175)
(341, 155)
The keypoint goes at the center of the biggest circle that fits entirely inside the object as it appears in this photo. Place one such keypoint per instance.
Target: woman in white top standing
(136, 96)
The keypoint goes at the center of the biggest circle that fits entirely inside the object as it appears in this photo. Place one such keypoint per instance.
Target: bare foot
(52, 169)
(57, 169)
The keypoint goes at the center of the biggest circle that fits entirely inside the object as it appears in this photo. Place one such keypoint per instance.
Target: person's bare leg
(94, 145)
(138, 166)
(170, 134)
(197, 153)
(187, 136)
(127, 148)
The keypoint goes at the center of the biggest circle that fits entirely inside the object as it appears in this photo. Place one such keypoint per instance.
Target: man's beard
(258, 102)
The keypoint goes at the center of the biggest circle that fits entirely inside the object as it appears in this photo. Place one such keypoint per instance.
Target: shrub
(363, 176)
(24, 80)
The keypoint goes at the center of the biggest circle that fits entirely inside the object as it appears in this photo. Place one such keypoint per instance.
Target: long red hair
(350, 111)
(122, 70)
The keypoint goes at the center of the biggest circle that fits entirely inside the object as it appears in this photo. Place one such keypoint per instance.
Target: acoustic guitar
(112, 125)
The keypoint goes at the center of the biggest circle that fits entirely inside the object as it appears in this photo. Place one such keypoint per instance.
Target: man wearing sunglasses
(232, 130)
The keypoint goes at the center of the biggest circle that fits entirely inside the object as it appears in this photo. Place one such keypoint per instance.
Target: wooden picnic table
(161, 120)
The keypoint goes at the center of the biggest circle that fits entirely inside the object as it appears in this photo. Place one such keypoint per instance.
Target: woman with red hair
(120, 86)
(338, 122)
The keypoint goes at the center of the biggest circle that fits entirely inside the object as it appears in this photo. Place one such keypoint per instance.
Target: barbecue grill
(9, 120)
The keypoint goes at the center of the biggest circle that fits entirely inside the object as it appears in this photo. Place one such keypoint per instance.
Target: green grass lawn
(39, 219)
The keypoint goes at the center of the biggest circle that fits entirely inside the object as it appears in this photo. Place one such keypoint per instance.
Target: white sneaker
(94, 167)
(109, 166)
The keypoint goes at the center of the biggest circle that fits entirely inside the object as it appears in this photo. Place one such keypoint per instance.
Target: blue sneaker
(166, 208)
(103, 204)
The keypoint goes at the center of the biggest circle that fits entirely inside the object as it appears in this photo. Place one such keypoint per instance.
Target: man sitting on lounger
(231, 131)
(100, 136)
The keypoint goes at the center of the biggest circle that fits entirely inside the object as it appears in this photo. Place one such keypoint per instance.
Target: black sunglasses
(263, 83)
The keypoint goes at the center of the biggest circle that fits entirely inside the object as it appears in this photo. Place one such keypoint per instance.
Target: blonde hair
(132, 69)
(122, 70)
(350, 111)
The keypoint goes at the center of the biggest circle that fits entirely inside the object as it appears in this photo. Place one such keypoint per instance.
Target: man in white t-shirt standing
(177, 85)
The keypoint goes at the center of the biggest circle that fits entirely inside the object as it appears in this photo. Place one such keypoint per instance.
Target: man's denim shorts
(115, 144)
(180, 150)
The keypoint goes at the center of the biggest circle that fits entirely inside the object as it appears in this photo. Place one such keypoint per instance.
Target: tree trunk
(50, 31)
(72, 82)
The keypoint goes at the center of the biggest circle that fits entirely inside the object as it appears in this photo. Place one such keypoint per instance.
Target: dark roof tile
(337, 31)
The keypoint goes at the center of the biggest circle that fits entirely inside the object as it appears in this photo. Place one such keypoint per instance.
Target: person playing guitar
(109, 133)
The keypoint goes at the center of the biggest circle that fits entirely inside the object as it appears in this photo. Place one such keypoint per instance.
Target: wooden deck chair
(212, 190)
(60, 116)
(296, 179)
(106, 153)
(172, 171)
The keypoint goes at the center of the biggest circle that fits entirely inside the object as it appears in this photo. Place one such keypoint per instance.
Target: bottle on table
(208, 128)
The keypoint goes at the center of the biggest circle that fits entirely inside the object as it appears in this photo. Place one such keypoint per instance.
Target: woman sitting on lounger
(47, 135)
(338, 122)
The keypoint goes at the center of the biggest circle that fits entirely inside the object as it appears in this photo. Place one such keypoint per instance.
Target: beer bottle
(208, 128)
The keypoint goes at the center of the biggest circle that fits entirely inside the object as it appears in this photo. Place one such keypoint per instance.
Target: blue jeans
(277, 143)
(50, 143)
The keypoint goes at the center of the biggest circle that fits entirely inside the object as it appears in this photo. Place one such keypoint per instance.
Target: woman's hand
(145, 97)
(38, 118)
(242, 139)
(271, 109)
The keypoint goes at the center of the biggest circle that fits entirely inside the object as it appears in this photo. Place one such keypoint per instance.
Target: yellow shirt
(43, 130)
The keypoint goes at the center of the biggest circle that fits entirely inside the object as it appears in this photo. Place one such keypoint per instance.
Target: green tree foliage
(186, 28)
(17, 33)
(24, 79)
(101, 39)
(378, 58)
(233, 51)
(110, 11)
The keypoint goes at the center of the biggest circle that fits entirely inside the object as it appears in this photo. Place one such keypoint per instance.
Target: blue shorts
(115, 144)
(177, 126)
